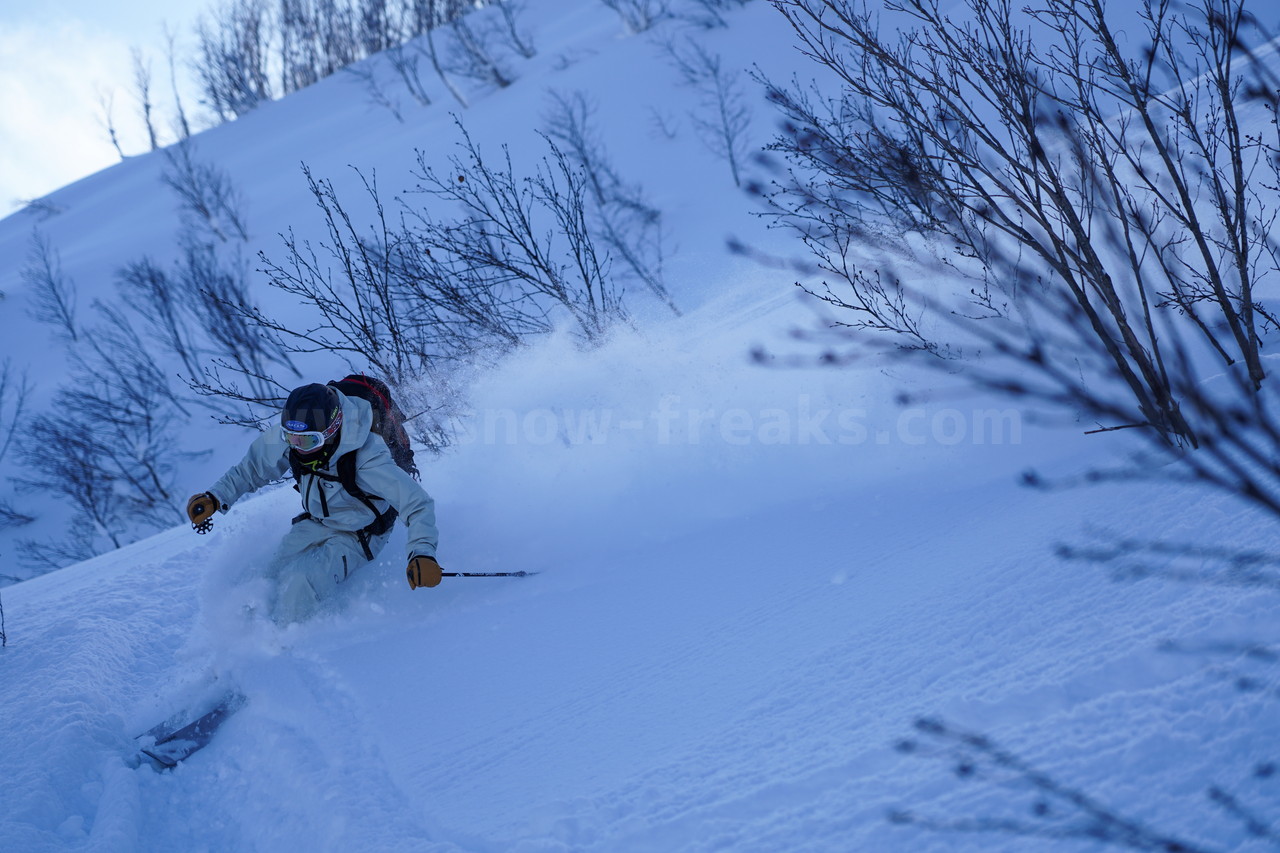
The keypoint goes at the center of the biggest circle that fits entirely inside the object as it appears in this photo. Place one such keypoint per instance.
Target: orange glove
(200, 509)
(423, 571)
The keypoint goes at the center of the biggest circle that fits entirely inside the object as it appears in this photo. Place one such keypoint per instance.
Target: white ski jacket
(326, 500)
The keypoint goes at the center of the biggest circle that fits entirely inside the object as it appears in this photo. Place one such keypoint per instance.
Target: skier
(348, 509)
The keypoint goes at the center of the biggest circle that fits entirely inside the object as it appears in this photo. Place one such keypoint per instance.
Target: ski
(166, 745)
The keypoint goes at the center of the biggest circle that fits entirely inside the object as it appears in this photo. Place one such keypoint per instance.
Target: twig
(1114, 428)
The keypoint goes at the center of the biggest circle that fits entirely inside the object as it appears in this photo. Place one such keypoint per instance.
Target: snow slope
(722, 648)
(743, 605)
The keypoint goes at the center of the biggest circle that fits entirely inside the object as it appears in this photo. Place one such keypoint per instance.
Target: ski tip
(159, 763)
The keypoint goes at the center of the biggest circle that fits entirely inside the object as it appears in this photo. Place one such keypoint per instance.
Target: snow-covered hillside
(723, 647)
(753, 580)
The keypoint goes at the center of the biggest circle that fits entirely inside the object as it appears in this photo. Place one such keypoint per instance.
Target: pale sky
(58, 60)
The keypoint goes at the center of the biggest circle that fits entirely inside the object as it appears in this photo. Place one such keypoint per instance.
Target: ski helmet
(311, 417)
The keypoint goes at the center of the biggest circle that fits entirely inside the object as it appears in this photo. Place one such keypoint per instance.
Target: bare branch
(53, 292)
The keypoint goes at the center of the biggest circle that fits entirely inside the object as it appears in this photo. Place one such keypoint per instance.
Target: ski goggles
(309, 441)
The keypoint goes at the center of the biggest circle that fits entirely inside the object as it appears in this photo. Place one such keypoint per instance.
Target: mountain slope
(722, 649)
(753, 579)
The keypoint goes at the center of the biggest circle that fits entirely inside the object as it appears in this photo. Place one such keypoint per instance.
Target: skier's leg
(303, 569)
(314, 560)
(296, 595)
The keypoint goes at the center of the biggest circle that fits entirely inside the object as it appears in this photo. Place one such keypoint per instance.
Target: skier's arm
(266, 460)
(378, 474)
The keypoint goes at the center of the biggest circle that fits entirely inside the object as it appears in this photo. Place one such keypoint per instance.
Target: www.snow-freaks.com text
(806, 422)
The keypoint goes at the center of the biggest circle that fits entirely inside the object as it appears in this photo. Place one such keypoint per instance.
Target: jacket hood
(357, 423)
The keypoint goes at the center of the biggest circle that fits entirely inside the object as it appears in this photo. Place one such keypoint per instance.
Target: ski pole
(486, 574)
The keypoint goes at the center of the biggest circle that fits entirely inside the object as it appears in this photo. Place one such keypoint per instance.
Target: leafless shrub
(155, 298)
(10, 517)
(106, 447)
(1110, 219)
(142, 91)
(252, 50)
(469, 310)
(240, 359)
(41, 208)
(1111, 199)
(53, 299)
(662, 124)
(473, 53)
(878, 302)
(75, 546)
(722, 118)
(433, 53)
(359, 314)
(107, 119)
(405, 61)
(367, 75)
(418, 22)
(639, 15)
(233, 68)
(128, 395)
(297, 48)
(530, 234)
(183, 124)
(375, 26)
(498, 259)
(196, 313)
(205, 191)
(708, 14)
(621, 218)
(516, 37)
(15, 393)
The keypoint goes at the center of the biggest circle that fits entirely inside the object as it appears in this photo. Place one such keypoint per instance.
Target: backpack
(388, 422)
